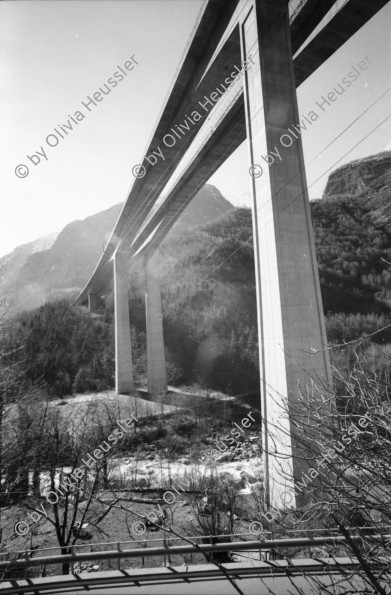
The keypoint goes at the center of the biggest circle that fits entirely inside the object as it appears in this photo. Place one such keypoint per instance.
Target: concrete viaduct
(271, 46)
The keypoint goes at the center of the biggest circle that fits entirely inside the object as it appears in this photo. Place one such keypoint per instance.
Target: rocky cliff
(365, 176)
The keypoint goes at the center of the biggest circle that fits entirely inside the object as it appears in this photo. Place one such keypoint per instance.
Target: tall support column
(109, 301)
(156, 360)
(123, 348)
(290, 315)
(92, 302)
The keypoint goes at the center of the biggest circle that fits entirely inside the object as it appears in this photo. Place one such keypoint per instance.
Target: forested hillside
(208, 293)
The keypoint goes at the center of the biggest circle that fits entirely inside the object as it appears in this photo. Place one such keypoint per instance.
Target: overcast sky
(54, 54)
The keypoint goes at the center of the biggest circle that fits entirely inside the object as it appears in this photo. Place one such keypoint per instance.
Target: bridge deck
(318, 29)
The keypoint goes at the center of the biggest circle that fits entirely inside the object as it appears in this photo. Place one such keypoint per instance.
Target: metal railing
(144, 542)
(209, 570)
(122, 544)
(265, 544)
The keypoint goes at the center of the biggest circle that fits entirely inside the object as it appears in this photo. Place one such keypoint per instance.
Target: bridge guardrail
(185, 549)
(144, 542)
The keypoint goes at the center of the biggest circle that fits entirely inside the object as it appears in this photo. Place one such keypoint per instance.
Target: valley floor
(181, 445)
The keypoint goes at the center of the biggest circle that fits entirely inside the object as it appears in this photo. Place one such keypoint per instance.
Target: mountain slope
(209, 204)
(12, 264)
(209, 302)
(62, 268)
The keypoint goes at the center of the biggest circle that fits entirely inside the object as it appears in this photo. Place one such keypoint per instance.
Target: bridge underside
(215, 48)
(238, 80)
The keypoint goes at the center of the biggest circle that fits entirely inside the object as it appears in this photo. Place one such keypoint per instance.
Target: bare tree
(61, 453)
(346, 480)
(218, 513)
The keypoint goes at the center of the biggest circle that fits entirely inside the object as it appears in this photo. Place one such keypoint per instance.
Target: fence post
(72, 566)
(309, 547)
(26, 554)
(166, 546)
(119, 559)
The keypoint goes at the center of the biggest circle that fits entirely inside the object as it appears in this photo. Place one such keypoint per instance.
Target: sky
(54, 54)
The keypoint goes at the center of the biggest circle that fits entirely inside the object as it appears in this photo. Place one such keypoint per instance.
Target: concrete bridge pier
(156, 360)
(291, 326)
(109, 301)
(92, 302)
(123, 348)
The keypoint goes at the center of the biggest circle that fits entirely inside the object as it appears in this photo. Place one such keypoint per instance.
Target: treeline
(58, 349)
(354, 255)
(208, 295)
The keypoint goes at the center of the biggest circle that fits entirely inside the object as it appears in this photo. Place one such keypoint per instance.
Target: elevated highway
(212, 53)
(238, 81)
